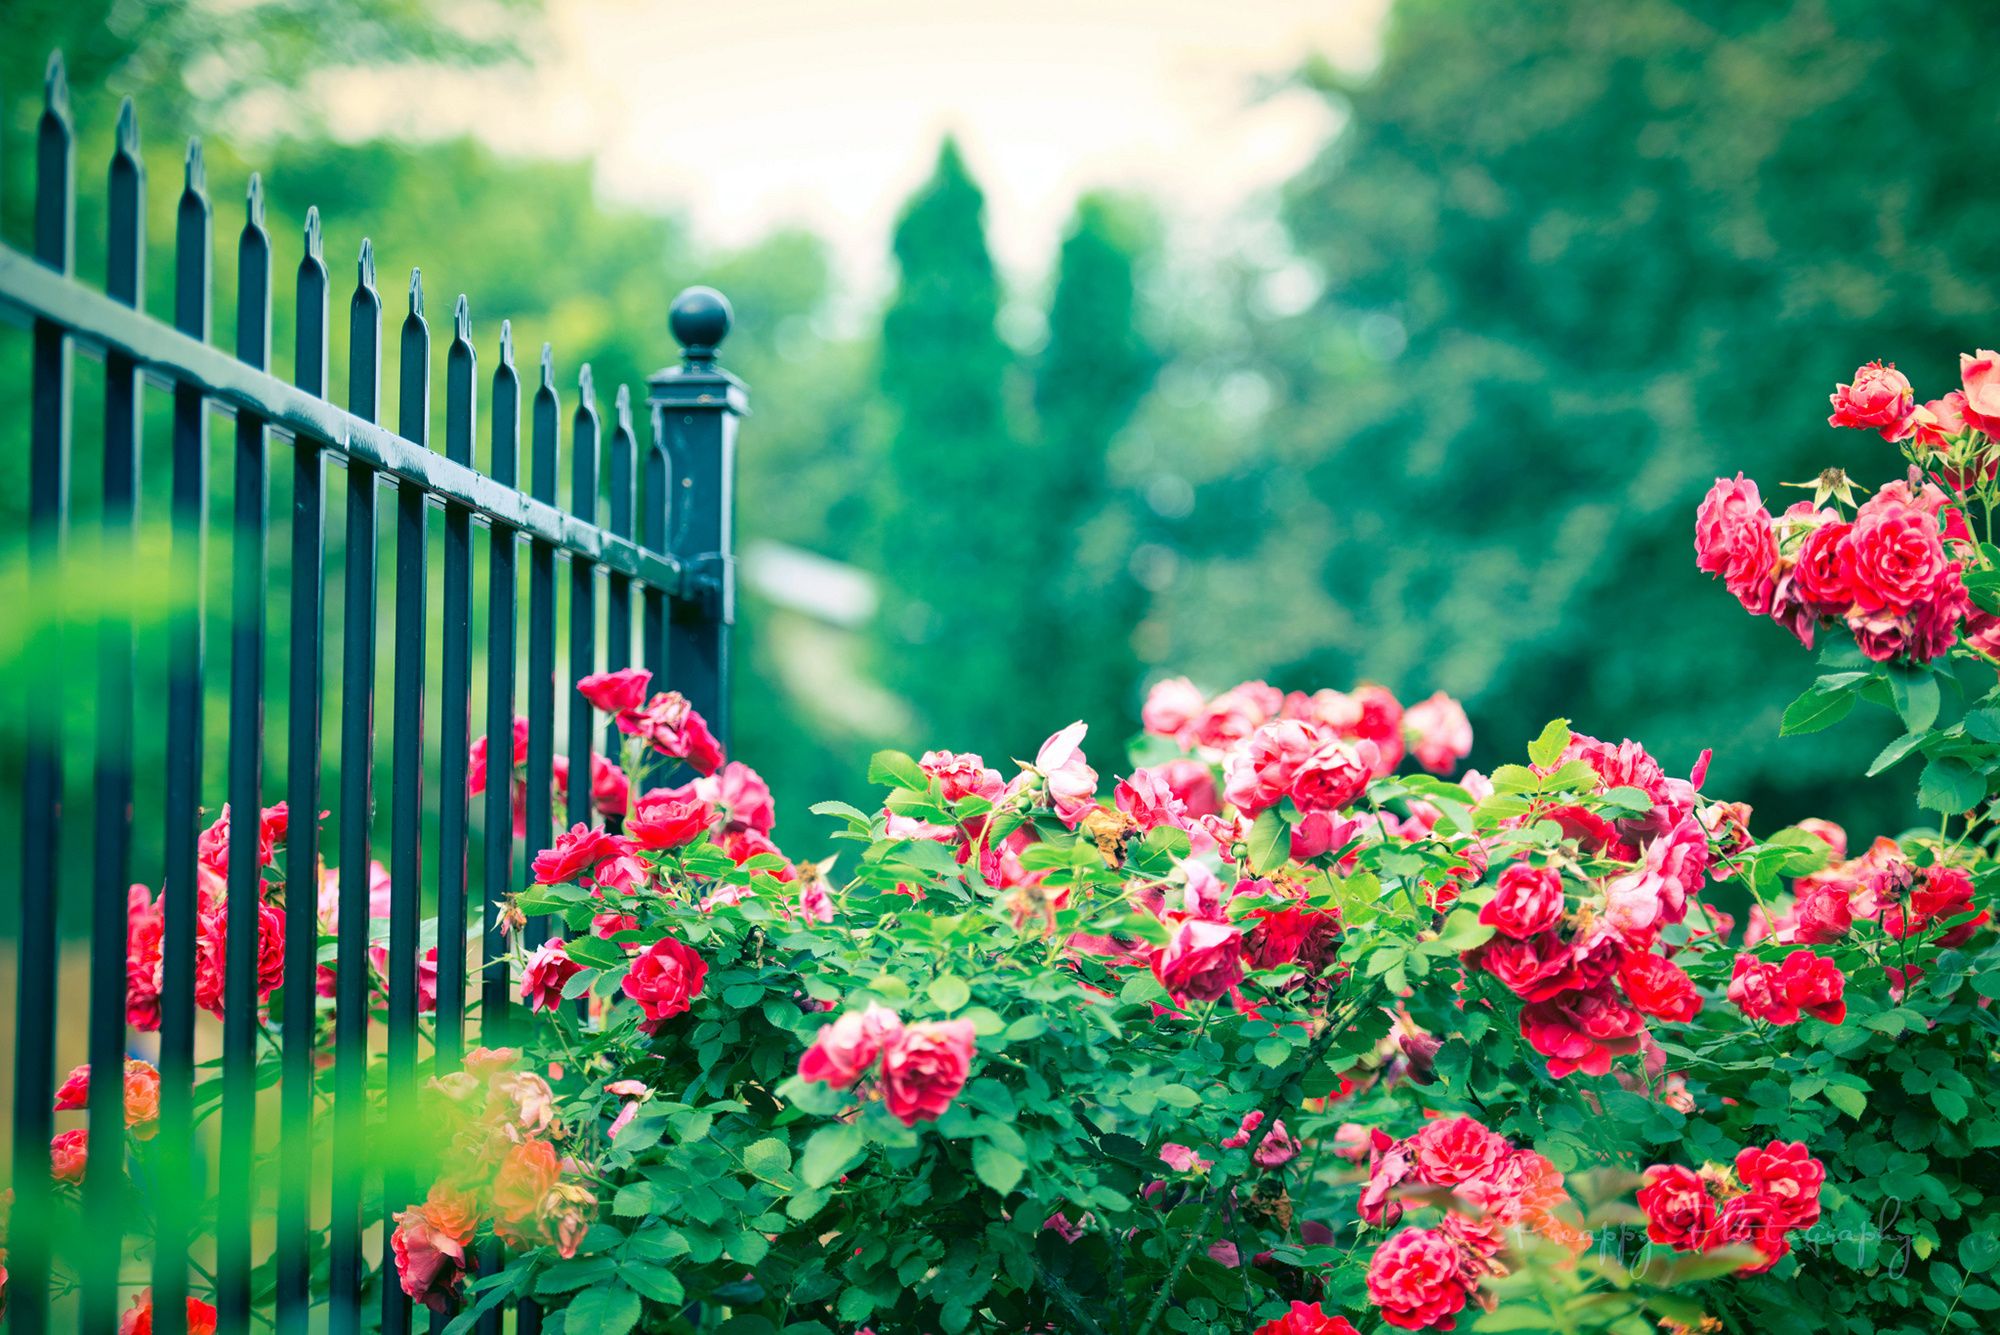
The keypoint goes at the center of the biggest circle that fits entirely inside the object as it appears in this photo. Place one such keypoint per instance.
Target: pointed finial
(624, 403)
(195, 178)
(461, 320)
(128, 129)
(417, 292)
(507, 343)
(315, 247)
(548, 366)
(55, 87)
(253, 201)
(584, 388)
(367, 262)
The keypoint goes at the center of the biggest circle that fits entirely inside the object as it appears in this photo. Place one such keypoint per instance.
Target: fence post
(695, 408)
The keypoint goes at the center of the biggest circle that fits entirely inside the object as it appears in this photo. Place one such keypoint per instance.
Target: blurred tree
(956, 533)
(1089, 379)
(1579, 259)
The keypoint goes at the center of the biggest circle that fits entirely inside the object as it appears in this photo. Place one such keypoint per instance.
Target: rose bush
(1276, 1024)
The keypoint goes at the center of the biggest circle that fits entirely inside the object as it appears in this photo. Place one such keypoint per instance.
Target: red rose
(1817, 569)
(1306, 1319)
(962, 775)
(430, 1257)
(1656, 986)
(1418, 1279)
(138, 1318)
(1335, 775)
(1759, 1219)
(69, 1152)
(1450, 1150)
(1789, 1174)
(1821, 914)
(1733, 538)
(1679, 1211)
(842, 1052)
(1202, 961)
(1944, 892)
(668, 818)
(576, 851)
(924, 1067)
(1526, 902)
(549, 969)
(1814, 985)
(618, 692)
(665, 978)
(1894, 558)
(1258, 775)
(1880, 397)
(1534, 970)
(1582, 1030)
(1755, 988)
(1980, 373)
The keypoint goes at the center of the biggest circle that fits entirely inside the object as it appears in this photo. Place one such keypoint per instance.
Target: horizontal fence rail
(646, 534)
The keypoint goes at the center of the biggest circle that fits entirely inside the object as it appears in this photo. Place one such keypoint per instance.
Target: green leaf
(1270, 842)
(852, 813)
(655, 1282)
(768, 1157)
(1915, 692)
(1983, 724)
(996, 1167)
(1850, 1101)
(829, 1152)
(1896, 751)
(607, 1309)
(1814, 710)
(1950, 786)
(949, 992)
(1274, 1052)
(595, 951)
(1547, 749)
(897, 770)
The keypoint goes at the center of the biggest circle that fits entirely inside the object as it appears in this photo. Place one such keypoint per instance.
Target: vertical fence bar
(125, 268)
(542, 628)
(302, 760)
(696, 406)
(455, 726)
(618, 586)
(178, 1191)
(249, 587)
(653, 489)
(357, 759)
(501, 590)
(584, 430)
(41, 775)
(406, 825)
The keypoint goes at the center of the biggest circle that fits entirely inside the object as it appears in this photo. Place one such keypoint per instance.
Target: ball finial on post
(700, 320)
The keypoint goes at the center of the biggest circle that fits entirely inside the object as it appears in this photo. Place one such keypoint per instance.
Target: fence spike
(624, 406)
(315, 246)
(195, 177)
(461, 319)
(585, 388)
(55, 87)
(367, 278)
(507, 343)
(417, 292)
(548, 366)
(128, 129)
(253, 201)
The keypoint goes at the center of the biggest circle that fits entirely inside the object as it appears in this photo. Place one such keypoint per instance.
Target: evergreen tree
(956, 490)
(1091, 375)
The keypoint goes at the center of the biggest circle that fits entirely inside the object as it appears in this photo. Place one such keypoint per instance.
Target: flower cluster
(1769, 1194)
(1892, 572)
(69, 1151)
(918, 1068)
(1421, 1277)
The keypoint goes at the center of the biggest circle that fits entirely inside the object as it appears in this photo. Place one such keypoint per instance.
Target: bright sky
(750, 114)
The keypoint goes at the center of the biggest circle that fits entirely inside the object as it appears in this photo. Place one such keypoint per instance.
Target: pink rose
(960, 775)
(575, 852)
(1335, 775)
(1172, 706)
(842, 1052)
(1733, 538)
(1814, 984)
(1258, 776)
(742, 793)
(1787, 1172)
(1582, 1030)
(1451, 1150)
(69, 1155)
(1821, 914)
(430, 1256)
(1679, 1211)
(549, 969)
(1442, 735)
(1202, 961)
(1148, 798)
(1893, 559)
(1534, 970)
(1193, 785)
(668, 818)
(1980, 373)
(1526, 902)
(669, 725)
(621, 692)
(1418, 1279)
(665, 978)
(924, 1067)
(1072, 783)
(1756, 990)
(1880, 397)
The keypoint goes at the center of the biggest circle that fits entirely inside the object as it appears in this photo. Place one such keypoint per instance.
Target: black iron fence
(650, 541)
